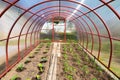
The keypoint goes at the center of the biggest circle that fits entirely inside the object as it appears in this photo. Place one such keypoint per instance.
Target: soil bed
(75, 64)
(30, 64)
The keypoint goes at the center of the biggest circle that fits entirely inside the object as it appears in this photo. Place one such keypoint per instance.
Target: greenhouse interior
(59, 39)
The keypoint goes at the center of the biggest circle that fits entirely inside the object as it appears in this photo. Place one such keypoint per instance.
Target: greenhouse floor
(57, 61)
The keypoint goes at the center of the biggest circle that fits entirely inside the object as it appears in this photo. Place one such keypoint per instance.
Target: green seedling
(78, 62)
(65, 56)
(38, 77)
(20, 67)
(43, 60)
(70, 77)
(94, 78)
(48, 45)
(85, 69)
(64, 49)
(27, 61)
(87, 59)
(40, 66)
(15, 77)
(71, 49)
(99, 68)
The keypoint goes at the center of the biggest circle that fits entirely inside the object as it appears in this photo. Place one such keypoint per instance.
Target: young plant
(48, 45)
(38, 77)
(94, 78)
(41, 67)
(27, 61)
(43, 60)
(99, 68)
(15, 77)
(71, 49)
(70, 77)
(85, 69)
(20, 67)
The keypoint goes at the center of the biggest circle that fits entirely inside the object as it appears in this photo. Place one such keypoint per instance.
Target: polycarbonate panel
(46, 34)
(32, 38)
(47, 25)
(91, 27)
(20, 23)
(36, 22)
(28, 41)
(115, 4)
(99, 25)
(2, 56)
(28, 25)
(111, 20)
(12, 51)
(96, 46)
(59, 31)
(90, 3)
(115, 64)
(7, 20)
(105, 51)
(85, 39)
(28, 3)
(85, 24)
(36, 37)
(76, 6)
(45, 5)
(89, 42)
(3, 6)
(42, 12)
(22, 45)
(69, 8)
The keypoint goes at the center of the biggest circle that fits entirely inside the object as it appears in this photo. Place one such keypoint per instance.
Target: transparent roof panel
(116, 5)
(74, 5)
(45, 5)
(3, 5)
(28, 3)
(90, 3)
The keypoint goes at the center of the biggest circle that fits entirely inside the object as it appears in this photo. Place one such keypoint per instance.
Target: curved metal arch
(84, 31)
(105, 25)
(95, 28)
(38, 23)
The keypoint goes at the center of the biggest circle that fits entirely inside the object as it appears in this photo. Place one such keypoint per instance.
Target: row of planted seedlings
(77, 65)
(34, 66)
